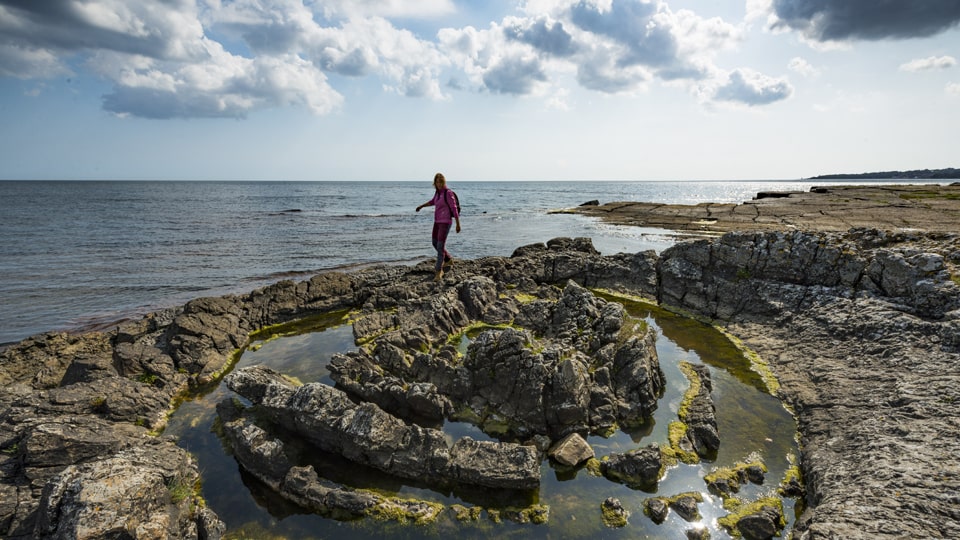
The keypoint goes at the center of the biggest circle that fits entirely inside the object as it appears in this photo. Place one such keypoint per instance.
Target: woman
(445, 211)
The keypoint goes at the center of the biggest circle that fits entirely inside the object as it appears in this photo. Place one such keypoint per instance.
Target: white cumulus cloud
(611, 47)
(26, 62)
(930, 63)
(748, 87)
(228, 58)
(387, 8)
(801, 66)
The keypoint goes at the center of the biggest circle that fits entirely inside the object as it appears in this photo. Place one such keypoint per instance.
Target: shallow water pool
(752, 424)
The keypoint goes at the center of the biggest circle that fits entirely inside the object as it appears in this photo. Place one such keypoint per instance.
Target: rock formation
(75, 407)
(369, 436)
(266, 457)
(698, 413)
(862, 330)
(565, 364)
(640, 468)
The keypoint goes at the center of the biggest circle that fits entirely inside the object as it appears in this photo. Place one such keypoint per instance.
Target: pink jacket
(444, 211)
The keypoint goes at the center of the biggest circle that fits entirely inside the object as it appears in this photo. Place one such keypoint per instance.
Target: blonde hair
(439, 176)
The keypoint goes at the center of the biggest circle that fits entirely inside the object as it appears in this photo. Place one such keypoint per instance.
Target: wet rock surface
(861, 329)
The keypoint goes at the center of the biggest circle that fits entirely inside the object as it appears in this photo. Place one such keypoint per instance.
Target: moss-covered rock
(614, 514)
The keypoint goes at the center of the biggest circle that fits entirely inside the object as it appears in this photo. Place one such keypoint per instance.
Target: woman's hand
(458, 225)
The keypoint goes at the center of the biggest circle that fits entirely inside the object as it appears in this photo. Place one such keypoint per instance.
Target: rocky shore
(924, 207)
(861, 328)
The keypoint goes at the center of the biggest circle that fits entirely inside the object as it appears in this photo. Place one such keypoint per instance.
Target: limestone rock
(368, 435)
(637, 468)
(761, 525)
(686, 507)
(862, 329)
(614, 514)
(266, 458)
(657, 509)
(571, 451)
(143, 492)
(700, 413)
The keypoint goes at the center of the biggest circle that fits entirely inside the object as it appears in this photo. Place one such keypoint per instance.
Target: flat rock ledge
(861, 329)
(899, 208)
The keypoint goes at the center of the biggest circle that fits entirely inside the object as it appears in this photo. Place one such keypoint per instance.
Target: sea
(84, 255)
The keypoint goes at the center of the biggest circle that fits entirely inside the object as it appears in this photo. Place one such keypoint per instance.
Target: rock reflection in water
(751, 422)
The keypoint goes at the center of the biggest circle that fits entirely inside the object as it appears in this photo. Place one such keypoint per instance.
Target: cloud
(514, 76)
(355, 46)
(168, 30)
(153, 50)
(930, 63)
(559, 101)
(268, 27)
(29, 63)
(495, 60)
(634, 26)
(363, 46)
(953, 89)
(801, 66)
(751, 88)
(387, 8)
(226, 87)
(547, 36)
(612, 47)
(841, 20)
(599, 72)
(217, 58)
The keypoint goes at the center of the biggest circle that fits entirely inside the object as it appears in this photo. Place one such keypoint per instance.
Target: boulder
(571, 451)
(657, 509)
(146, 491)
(361, 375)
(766, 523)
(614, 514)
(765, 274)
(686, 506)
(640, 468)
(637, 381)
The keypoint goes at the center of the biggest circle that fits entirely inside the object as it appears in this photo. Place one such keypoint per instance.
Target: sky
(479, 90)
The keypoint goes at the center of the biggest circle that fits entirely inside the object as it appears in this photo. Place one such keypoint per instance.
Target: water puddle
(752, 425)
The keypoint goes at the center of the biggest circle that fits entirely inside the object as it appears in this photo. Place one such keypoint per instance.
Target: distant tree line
(921, 174)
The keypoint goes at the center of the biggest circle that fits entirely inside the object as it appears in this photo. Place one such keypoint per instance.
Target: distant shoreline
(920, 174)
(894, 207)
